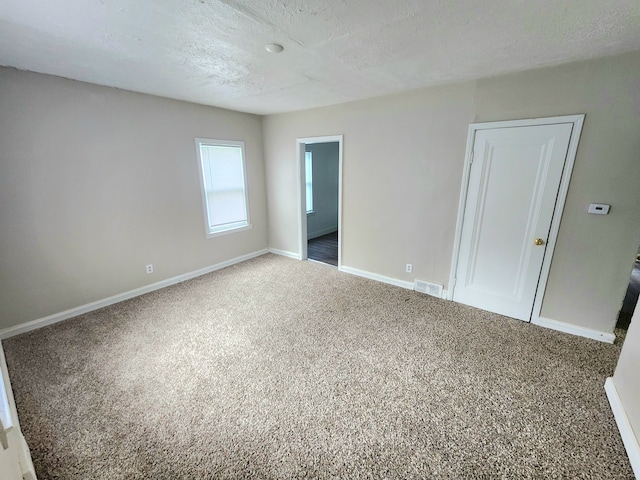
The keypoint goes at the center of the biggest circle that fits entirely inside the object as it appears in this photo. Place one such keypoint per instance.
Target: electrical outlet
(409, 268)
(150, 268)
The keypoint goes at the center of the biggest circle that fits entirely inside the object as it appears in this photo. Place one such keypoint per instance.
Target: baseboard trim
(377, 277)
(284, 253)
(630, 441)
(321, 232)
(89, 307)
(574, 329)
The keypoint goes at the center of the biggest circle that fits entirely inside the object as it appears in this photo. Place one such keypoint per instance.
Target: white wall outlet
(409, 268)
(150, 268)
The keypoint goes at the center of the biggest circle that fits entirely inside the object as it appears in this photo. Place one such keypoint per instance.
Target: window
(224, 188)
(308, 171)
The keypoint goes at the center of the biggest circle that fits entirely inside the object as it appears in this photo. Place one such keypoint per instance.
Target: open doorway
(320, 198)
(631, 296)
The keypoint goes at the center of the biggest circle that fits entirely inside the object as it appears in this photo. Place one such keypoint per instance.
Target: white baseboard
(376, 277)
(574, 329)
(445, 295)
(324, 231)
(284, 253)
(89, 307)
(629, 439)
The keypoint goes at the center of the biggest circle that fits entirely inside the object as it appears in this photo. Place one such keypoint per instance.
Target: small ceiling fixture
(273, 48)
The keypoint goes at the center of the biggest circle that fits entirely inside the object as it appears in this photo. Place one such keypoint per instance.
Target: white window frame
(212, 230)
(308, 172)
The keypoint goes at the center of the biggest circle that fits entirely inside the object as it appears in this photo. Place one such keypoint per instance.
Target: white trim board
(7, 402)
(89, 307)
(629, 439)
(377, 277)
(384, 279)
(574, 329)
(284, 253)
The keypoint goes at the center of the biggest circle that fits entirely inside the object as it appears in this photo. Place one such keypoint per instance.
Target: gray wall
(325, 189)
(402, 170)
(96, 182)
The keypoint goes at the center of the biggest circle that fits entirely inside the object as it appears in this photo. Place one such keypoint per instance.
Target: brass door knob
(538, 241)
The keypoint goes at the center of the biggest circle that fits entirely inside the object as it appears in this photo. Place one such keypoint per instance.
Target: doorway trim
(577, 121)
(302, 207)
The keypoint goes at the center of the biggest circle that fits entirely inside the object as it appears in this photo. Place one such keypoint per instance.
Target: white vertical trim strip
(340, 147)
(7, 402)
(629, 439)
(302, 207)
(466, 172)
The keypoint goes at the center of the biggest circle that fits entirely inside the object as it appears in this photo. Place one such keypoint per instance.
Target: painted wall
(96, 182)
(324, 218)
(626, 378)
(402, 169)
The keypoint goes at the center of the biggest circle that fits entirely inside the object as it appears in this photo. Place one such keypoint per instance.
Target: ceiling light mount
(273, 47)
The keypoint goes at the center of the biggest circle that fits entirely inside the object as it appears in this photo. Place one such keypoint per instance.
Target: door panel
(511, 196)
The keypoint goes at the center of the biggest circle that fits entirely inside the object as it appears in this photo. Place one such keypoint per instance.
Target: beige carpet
(276, 368)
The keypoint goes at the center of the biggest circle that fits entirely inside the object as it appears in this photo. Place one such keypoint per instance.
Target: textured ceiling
(212, 51)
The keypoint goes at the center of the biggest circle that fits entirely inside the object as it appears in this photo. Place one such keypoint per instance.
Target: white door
(513, 186)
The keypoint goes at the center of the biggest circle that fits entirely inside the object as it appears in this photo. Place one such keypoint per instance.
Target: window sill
(227, 232)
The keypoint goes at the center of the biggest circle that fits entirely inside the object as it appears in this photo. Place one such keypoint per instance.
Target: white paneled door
(512, 191)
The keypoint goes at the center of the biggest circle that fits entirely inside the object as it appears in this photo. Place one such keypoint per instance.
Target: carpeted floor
(277, 368)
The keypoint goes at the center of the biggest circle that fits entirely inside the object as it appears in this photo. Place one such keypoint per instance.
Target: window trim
(211, 232)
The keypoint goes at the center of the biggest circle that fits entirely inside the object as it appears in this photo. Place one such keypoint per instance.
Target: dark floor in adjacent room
(324, 249)
(630, 299)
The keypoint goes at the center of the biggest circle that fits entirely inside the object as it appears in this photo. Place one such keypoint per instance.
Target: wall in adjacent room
(402, 171)
(97, 182)
(325, 161)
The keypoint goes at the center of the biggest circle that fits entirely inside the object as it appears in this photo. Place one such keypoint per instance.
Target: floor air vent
(428, 288)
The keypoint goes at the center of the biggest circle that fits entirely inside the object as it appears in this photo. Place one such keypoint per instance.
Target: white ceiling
(212, 51)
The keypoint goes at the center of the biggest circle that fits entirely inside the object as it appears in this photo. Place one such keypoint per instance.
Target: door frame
(577, 121)
(302, 205)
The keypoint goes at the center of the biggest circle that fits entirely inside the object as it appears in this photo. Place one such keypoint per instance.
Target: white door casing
(513, 192)
(302, 210)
